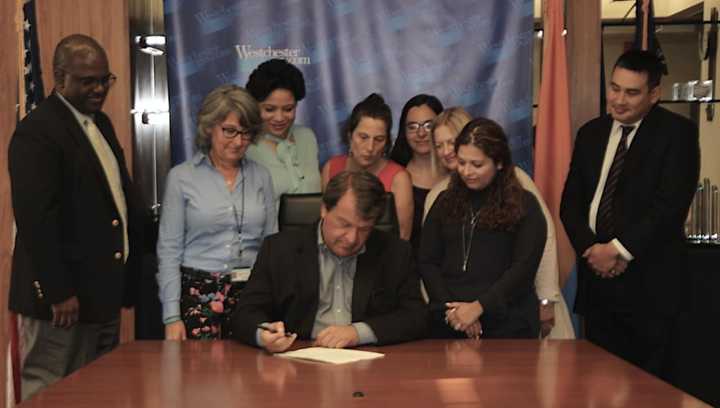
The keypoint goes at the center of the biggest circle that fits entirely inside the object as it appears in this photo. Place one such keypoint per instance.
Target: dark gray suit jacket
(285, 280)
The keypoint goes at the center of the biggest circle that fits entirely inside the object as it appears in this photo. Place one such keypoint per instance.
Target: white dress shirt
(613, 142)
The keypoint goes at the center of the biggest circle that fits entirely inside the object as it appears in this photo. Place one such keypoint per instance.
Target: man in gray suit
(341, 282)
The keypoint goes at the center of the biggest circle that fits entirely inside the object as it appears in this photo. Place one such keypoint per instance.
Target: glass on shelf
(693, 91)
(702, 225)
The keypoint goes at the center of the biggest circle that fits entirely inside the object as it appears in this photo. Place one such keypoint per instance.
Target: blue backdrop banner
(472, 53)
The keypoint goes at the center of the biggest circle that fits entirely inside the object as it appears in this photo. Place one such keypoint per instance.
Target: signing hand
(65, 313)
(276, 342)
(337, 337)
(460, 315)
(175, 331)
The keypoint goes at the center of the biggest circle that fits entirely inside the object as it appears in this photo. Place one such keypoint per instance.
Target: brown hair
(369, 193)
(505, 201)
(374, 107)
(218, 104)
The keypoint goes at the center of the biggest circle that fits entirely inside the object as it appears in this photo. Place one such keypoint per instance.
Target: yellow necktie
(112, 173)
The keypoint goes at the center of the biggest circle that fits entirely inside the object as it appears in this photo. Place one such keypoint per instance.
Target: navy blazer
(651, 202)
(69, 232)
(284, 287)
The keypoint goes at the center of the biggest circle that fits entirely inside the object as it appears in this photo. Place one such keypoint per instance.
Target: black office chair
(300, 210)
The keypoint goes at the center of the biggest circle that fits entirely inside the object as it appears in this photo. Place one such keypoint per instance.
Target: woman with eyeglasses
(367, 135)
(287, 150)
(413, 149)
(218, 207)
(553, 312)
(482, 243)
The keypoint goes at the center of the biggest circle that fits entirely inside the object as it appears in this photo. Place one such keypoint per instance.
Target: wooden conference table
(428, 373)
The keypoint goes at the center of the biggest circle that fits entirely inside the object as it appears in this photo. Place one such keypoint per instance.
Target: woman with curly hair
(554, 316)
(287, 150)
(482, 243)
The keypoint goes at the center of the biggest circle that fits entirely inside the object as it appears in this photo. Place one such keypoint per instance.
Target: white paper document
(329, 355)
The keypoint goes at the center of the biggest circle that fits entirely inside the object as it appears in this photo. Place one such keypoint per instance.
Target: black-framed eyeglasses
(231, 132)
(91, 82)
(415, 126)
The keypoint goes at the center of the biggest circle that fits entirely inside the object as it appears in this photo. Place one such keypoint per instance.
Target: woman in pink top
(367, 134)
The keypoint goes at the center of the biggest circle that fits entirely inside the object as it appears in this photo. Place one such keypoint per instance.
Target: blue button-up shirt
(337, 279)
(200, 219)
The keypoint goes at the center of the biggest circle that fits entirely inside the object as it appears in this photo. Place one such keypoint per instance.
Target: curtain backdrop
(467, 52)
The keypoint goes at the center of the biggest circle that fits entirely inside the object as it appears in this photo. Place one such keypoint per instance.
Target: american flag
(34, 92)
(33, 95)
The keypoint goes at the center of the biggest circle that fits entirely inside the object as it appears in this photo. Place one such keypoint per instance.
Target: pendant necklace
(467, 244)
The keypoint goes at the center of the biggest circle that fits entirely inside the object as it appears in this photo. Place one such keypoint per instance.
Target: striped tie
(605, 223)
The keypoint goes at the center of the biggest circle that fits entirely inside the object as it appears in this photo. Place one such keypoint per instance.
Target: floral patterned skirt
(207, 302)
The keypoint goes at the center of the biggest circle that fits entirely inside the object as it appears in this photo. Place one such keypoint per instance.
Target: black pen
(262, 326)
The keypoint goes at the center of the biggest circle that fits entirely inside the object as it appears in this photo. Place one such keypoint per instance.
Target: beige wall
(618, 9)
(663, 8)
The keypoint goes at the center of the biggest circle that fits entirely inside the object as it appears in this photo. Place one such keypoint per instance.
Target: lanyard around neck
(239, 222)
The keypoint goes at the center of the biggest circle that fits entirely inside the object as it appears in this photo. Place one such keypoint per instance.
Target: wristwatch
(546, 302)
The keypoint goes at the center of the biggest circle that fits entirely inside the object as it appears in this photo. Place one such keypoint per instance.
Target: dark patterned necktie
(605, 223)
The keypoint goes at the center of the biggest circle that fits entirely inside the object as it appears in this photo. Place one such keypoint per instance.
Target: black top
(501, 265)
(419, 196)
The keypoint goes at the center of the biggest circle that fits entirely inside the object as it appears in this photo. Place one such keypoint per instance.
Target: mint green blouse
(294, 168)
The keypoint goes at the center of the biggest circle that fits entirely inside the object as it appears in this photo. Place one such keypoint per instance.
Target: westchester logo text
(292, 55)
